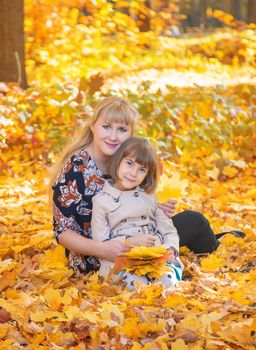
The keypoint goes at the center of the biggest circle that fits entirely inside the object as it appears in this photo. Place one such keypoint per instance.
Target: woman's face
(108, 136)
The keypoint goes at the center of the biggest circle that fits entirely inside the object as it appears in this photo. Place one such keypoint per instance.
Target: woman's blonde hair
(112, 109)
(142, 152)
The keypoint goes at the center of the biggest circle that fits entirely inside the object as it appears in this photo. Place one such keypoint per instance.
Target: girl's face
(108, 136)
(130, 174)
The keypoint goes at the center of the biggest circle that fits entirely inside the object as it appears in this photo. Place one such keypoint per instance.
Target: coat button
(143, 217)
(136, 194)
(116, 200)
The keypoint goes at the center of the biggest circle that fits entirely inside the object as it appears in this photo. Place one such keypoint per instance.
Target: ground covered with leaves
(200, 114)
(44, 306)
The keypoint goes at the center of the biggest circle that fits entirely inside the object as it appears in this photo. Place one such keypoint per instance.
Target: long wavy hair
(112, 109)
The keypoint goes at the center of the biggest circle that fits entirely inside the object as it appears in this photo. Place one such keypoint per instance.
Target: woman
(81, 174)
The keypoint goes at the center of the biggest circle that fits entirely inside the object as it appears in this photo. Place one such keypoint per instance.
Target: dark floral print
(78, 182)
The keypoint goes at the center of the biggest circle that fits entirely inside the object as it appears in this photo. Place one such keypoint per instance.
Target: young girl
(127, 207)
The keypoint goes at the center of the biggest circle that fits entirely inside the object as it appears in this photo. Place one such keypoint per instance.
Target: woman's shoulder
(77, 161)
(80, 156)
(82, 161)
(81, 166)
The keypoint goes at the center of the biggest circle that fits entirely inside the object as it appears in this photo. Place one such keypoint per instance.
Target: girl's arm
(99, 223)
(108, 250)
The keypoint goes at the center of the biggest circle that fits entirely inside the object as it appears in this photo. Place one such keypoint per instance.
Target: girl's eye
(143, 170)
(128, 162)
(106, 126)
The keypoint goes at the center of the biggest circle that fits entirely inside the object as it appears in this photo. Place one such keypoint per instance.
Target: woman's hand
(171, 258)
(111, 249)
(169, 207)
(142, 239)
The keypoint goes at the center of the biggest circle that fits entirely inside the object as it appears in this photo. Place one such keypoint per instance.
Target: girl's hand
(111, 249)
(142, 239)
(169, 207)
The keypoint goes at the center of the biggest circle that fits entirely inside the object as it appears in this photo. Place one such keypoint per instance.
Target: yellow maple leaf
(230, 171)
(159, 272)
(107, 311)
(191, 321)
(72, 311)
(172, 187)
(53, 298)
(179, 344)
(4, 330)
(130, 328)
(5, 344)
(213, 174)
(137, 346)
(7, 265)
(41, 316)
(141, 252)
(71, 293)
(241, 297)
(211, 263)
(173, 300)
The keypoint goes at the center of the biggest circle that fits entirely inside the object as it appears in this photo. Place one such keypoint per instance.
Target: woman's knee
(196, 218)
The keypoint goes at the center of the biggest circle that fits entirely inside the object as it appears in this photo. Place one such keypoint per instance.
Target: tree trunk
(236, 9)
(203, 10)
(195, 13)
(144, 18)
(198, 13)
(12, 52)
(251, 11)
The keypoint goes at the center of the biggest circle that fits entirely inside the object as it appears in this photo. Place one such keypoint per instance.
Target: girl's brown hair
(112, 109)
(142, 151)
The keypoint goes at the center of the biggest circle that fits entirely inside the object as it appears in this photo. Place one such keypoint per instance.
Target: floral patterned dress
(78, 182)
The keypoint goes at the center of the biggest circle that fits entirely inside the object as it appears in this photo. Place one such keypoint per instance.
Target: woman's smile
(111, 144)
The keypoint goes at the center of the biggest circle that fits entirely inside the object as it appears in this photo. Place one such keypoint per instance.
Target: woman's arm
(168, 207)
(170, 237)
(167, 230)
(108, 250)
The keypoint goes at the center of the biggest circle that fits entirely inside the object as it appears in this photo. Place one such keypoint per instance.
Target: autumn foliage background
(196, 95)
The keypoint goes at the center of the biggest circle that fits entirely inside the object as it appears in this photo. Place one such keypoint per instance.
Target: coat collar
(115, 192)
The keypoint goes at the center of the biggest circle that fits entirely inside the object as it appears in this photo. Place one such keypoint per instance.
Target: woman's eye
(123, 129)
(143, 170)
(106, 126)
(128, 162)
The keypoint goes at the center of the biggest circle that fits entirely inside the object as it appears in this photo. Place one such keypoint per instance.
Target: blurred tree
(12, 55)
(197, 16)
(144, 16)
(251, 11)
(236, 8)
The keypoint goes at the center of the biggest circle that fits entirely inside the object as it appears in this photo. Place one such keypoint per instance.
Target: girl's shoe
(235, 233)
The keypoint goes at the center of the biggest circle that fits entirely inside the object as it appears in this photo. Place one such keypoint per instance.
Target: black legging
(195, 232)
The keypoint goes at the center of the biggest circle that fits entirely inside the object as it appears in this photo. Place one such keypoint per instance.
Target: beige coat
(120, 214)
